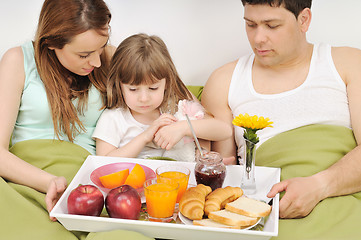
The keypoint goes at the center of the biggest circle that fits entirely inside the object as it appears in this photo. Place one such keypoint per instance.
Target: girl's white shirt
(118, 127)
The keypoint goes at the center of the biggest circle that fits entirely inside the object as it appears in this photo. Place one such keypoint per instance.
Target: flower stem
(249, 156)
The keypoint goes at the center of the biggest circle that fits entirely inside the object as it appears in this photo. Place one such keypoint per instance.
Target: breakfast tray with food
(228, 213)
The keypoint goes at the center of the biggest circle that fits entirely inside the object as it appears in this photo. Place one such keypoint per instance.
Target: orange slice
(114, 180)
(136, 177)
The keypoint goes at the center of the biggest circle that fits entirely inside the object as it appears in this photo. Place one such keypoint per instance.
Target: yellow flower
(251, 124)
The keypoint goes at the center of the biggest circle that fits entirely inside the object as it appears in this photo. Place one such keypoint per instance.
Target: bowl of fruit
(114, 175)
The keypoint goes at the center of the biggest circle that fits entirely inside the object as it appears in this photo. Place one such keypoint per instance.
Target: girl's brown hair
(143, 59)
(59, 22)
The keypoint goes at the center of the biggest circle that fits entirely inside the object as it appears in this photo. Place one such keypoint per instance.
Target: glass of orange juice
(174, 173)
(160, 199)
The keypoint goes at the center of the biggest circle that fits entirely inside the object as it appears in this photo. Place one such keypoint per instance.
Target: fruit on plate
(136, 177)
(115, 179)
(85, 200)
(123, 202)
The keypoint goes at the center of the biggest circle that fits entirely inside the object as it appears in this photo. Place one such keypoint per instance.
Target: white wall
(201, 34)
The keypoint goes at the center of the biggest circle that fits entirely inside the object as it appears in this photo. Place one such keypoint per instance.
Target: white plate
(188, 221)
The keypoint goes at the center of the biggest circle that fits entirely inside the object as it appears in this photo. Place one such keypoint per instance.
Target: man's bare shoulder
(347, 60)
(222, 74)
(216, 89)
(226, 70)
(342, 52)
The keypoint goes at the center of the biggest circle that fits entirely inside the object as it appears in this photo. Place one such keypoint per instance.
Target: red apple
(123, 202)
(85, 200)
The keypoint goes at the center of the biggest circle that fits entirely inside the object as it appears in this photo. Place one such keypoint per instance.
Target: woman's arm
(12, 168)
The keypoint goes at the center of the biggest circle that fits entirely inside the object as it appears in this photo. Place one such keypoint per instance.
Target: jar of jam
(210, 169)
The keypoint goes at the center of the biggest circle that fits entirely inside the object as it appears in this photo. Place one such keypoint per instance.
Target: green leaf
(250, 135)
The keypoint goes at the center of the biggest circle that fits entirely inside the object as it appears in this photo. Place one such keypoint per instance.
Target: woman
(51, 88)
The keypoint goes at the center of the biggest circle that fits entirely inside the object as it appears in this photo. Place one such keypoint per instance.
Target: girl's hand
(163, 120)
(56, 188)
(167, 136)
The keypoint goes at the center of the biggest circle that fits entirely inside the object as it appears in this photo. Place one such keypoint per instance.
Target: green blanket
(23, 210)
(303, 152)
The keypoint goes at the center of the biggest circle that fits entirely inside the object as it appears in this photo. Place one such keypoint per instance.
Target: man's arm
(215, 101)
(343, 177)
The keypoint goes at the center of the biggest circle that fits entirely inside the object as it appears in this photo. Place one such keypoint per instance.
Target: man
(296, 84)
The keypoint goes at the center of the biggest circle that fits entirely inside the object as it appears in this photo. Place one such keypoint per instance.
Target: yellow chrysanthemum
(252, 122)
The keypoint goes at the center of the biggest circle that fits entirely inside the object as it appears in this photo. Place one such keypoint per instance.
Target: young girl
(143, 90)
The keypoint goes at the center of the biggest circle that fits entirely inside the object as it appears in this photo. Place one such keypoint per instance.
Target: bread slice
(217, 199)
(233, 219)
(249, 207)
(210, 223)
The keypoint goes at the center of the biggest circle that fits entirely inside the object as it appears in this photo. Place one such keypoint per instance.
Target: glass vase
(248, 184)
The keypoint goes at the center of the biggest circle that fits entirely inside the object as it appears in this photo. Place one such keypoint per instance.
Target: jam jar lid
(209, 158)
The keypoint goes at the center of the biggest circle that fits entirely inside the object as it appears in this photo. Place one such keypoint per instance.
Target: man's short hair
(294, 6)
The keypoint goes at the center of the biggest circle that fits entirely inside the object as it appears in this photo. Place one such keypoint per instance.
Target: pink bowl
(115, 167)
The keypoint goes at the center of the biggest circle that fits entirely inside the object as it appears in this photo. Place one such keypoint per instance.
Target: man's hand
(302, 194)
(56, 188)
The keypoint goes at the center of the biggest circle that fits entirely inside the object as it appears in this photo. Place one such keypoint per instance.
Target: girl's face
(82, 54)
(144, 99)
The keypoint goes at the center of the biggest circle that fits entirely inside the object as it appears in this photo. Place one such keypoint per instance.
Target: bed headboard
(201, 34)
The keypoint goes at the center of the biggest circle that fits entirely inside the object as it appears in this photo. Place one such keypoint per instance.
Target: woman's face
(82, 54)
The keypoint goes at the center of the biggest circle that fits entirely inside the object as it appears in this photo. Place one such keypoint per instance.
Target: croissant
(217, 199)
(191, 205)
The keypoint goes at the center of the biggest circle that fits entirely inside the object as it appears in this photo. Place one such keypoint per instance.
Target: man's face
(273, 32)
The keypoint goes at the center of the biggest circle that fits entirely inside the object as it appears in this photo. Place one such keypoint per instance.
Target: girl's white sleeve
(108, 127)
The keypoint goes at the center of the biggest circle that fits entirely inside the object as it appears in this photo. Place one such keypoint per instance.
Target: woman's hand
(56, 188)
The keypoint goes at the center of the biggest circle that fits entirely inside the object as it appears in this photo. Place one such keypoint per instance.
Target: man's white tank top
(321, 99)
